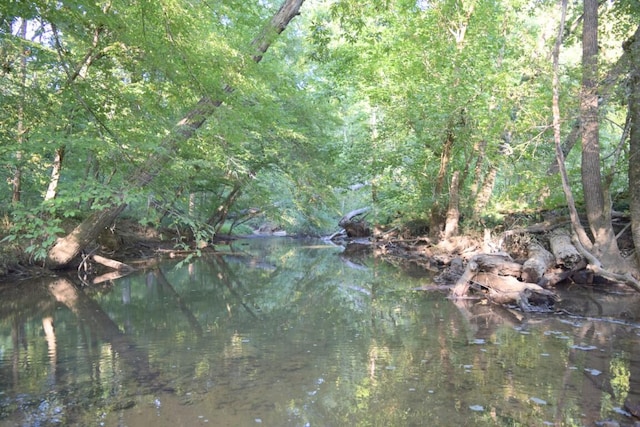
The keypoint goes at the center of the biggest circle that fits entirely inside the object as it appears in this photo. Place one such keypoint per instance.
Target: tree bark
(111, 263)
(632, 48)
(497, 277)
(540, 260)
(453, 212)
(509, 290)
(486, 189)
(68, 247)
(52, 189)
(218, 218)
(437, 215)
(568, 144)
(563, 250)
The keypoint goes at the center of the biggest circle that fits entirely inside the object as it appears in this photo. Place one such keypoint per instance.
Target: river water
(283, 332)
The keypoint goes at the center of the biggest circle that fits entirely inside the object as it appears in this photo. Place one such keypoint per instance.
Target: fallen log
(348, 217)
(556, 275)
(355, 227)
(539, 261)
(565, 252)
(509, 290)
(490, 263)
(496, 276)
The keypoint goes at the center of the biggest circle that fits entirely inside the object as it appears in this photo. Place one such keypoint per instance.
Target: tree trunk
(488, 263)
(632, 48)
(482, 199)
(437, 214)
(598, 213)
(68, 247)
(217, 219)
(568, 144)
(576, 225)
(479, 148)
(453, 212)
(355, 228)
(498, 276)
(52, 190)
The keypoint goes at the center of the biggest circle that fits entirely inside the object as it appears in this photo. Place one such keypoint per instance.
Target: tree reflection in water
(283, 332)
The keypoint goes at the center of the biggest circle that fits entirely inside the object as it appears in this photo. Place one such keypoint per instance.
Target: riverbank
(518, 239)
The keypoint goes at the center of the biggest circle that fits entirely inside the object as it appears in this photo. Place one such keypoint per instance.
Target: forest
(442, 119)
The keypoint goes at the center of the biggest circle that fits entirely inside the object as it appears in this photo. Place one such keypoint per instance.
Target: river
(285, 332)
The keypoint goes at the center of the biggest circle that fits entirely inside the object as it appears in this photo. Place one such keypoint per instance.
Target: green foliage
(35, 229)
(352, 93)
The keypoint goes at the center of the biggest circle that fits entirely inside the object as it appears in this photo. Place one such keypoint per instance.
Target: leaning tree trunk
(69, 247)
(632, 48)
(576, 225)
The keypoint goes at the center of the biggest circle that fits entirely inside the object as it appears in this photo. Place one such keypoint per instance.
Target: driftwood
(509, 290)
(488, 263)
(539, 261)
(565, 252)
(496, 275)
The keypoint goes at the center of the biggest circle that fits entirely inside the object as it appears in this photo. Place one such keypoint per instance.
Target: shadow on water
(284, 332)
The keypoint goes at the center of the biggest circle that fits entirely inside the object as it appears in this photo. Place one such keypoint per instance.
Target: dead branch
(111, 263)
(108, 277)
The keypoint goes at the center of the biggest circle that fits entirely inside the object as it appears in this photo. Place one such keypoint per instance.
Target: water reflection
(279, 332)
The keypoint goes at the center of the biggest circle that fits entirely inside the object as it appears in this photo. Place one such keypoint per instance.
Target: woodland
(497, 140)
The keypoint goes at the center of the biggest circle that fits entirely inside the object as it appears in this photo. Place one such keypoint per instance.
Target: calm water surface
(279, 332)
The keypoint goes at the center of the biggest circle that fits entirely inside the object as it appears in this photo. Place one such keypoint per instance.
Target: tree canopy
(398, 105)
